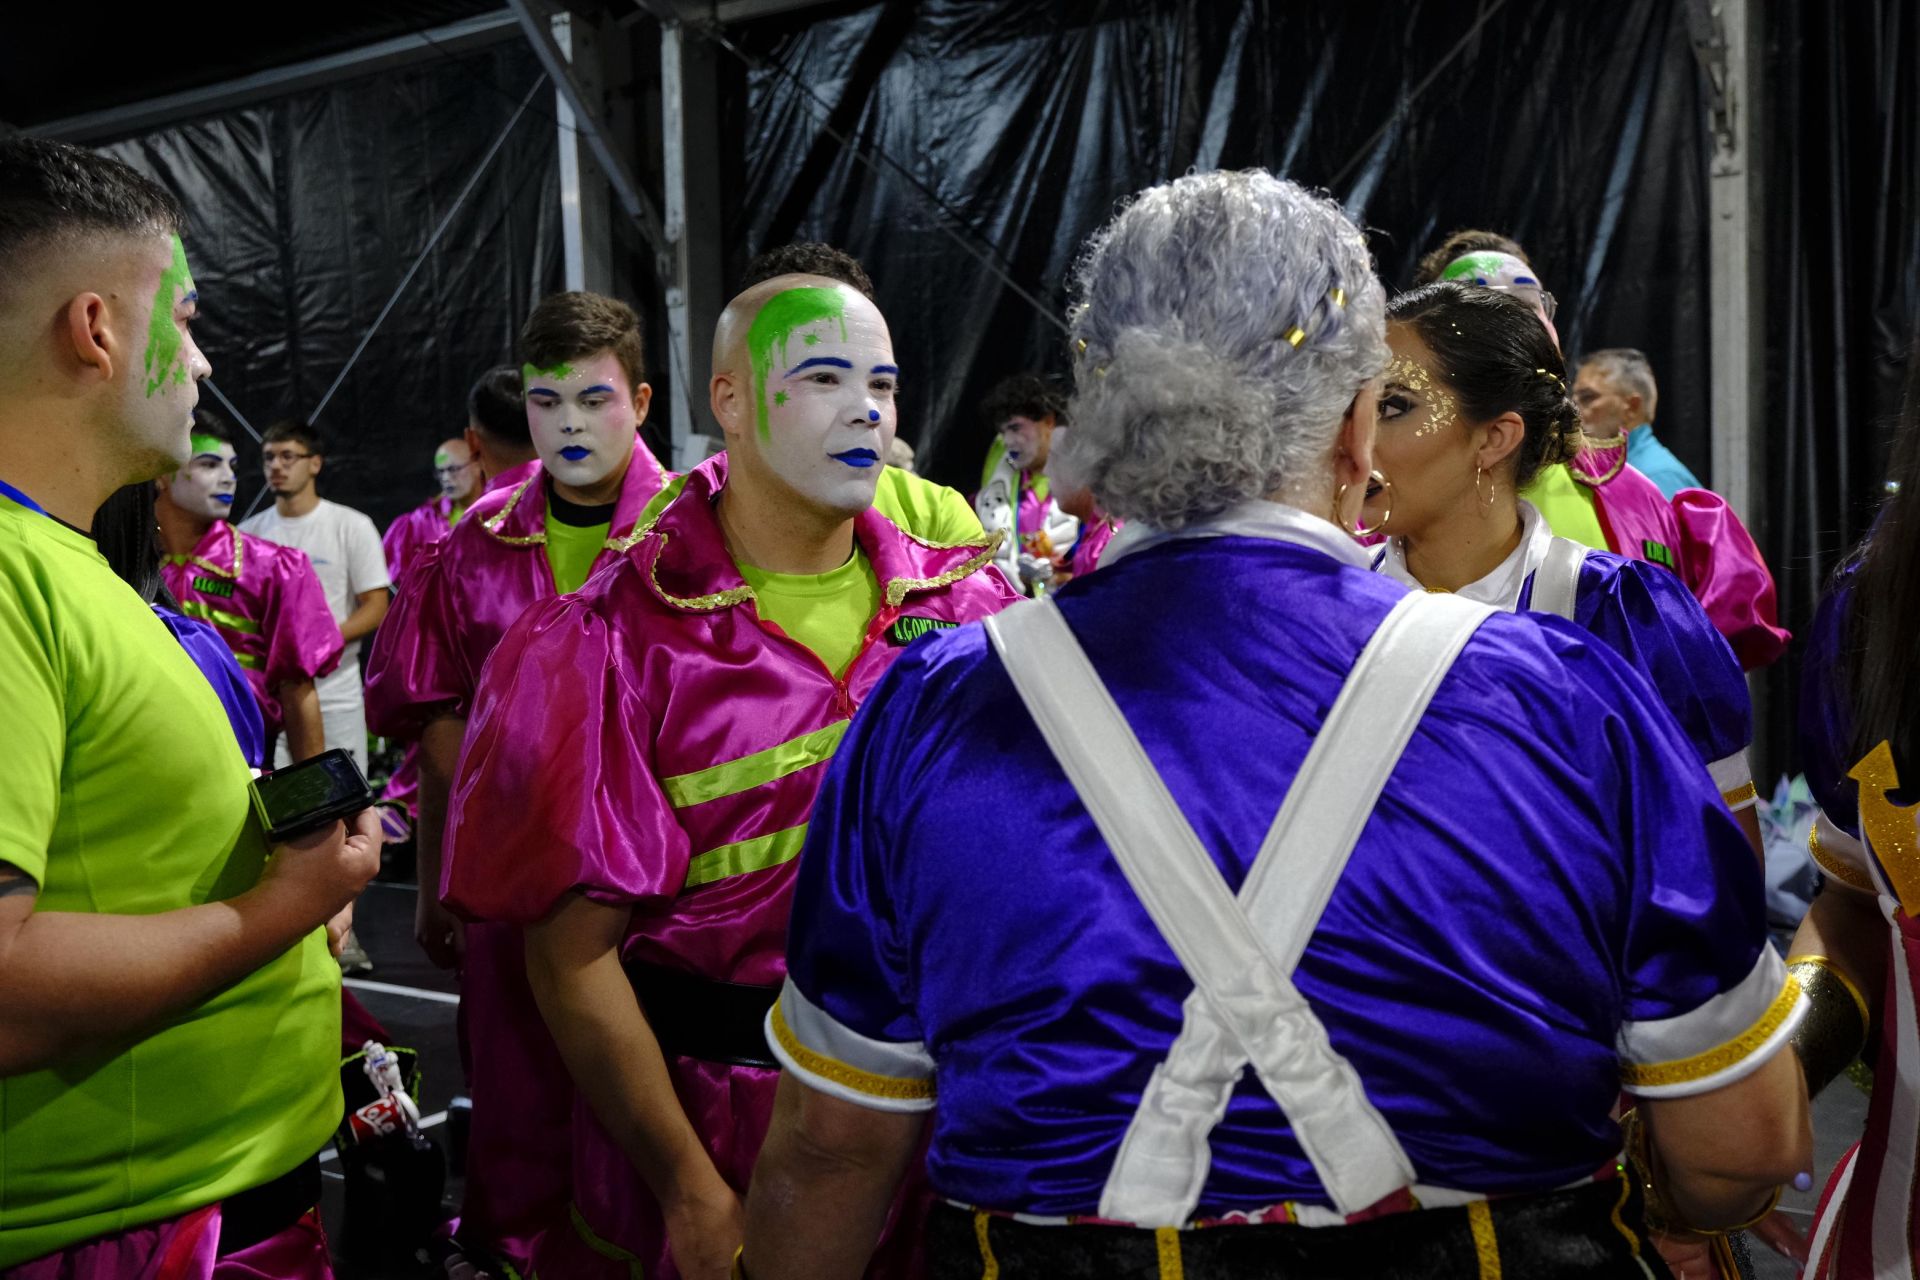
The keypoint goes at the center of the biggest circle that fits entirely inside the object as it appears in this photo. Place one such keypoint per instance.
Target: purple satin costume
(458, 598)
(209, 652)
(615, 750)
(267, 604)
(1547, 868)
(1708, 547)
(187, 1248)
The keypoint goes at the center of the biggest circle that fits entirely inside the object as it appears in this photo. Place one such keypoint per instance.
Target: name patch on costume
(908, 629)
(214, 587)
(1657, 553)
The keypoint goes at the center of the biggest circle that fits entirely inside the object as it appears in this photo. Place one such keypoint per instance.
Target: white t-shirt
(345, 549)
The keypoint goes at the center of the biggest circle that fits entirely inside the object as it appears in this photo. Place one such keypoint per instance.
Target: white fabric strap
(1556, 583)
(1244, 1007)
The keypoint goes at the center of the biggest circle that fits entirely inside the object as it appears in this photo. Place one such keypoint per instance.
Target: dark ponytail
(1883, 632)
(1493, 352)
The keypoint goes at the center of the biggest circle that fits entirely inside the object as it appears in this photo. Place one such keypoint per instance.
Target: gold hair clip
(1548, 373)
(1083, 345)
(1338, 296)
(1294, 336)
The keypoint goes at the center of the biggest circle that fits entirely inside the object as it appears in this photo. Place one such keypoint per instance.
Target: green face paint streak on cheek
(767, 339)
(164, 341)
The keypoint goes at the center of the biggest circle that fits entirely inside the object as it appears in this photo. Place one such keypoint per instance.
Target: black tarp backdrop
(306, 212)
(1843, 251)
(1579, 129)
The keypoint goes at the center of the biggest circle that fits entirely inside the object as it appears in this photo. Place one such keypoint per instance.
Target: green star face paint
(808, 311)
(165, 360)
(582, 416)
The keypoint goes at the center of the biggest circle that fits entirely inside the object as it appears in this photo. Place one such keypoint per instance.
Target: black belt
(1562, 1235)
(702, 1018)
(263, 1212)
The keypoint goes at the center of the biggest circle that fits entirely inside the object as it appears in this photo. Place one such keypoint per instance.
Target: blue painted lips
(575, 453)
(859, 458)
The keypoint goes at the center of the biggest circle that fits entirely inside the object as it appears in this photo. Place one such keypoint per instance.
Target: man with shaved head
(457, 472)
(642, 758)
(169, 1012)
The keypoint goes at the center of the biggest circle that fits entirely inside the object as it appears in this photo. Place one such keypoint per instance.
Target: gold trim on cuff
(867, 1082)
(1741, 796)
(1719, 1058)
(1846, 873)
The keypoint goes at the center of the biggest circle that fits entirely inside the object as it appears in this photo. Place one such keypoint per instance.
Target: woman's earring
(1493, 488)
(1361, 531)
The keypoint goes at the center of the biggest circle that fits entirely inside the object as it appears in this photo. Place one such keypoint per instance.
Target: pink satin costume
(405, 540)
(650, 741)
(1708, 547)
(459, 597)
(187, 1248)
(268, 605)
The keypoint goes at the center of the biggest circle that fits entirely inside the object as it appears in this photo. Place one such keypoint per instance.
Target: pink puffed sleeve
(555, 789)
(303, 641)
(1727, 574)
(413, 669)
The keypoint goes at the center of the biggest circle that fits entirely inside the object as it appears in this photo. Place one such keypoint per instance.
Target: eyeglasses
(272, 456)
(450, 471)
(1531, 294)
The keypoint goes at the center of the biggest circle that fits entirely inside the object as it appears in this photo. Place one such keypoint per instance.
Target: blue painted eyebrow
(832, 362)
(893, 369)
(598, 388)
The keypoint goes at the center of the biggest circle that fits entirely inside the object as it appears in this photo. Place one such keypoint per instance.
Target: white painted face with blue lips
(832, 414)
(582, 415)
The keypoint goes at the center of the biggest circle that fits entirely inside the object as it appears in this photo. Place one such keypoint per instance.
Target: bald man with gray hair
(1617, 396)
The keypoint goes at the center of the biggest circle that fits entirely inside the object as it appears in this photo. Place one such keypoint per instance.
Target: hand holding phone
(322, 865)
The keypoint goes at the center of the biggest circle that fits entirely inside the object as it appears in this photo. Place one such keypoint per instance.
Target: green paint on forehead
(441, 458)
(780, 317)
(206, 444)
(164, 360)
(1473, 265)
(528, 372)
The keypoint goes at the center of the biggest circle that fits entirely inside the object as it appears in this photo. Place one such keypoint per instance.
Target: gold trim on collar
(697, 604)
(493, 522)
(239, 559)
(899, 588)
(931, 545)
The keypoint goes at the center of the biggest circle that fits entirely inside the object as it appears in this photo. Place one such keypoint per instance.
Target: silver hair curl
(1188, 395)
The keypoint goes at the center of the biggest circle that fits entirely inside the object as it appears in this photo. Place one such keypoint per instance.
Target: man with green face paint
(148, 932)
(457, 472)
(641, 762)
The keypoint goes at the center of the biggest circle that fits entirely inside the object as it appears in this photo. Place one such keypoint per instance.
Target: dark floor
(410, 997)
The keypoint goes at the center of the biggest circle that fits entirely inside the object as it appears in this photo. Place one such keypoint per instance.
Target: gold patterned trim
(1166, 1241)
(1718, 1059)
(493, 522)
(989, 1265)
(1846, 873)
(699, 604)
(898, 589)
(1485, 1246)
(1594, 482)
(1741, 796)
(650, 514)
(239, 557)
(867, 1082)
(1619, 1223)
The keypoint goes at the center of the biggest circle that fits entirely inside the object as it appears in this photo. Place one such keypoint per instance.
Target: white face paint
(1505, 273)
(582, 414)
(454, 467)
(825, 381)
(204, 487)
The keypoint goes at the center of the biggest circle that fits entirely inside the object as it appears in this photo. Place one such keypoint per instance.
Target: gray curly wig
(1189, 396)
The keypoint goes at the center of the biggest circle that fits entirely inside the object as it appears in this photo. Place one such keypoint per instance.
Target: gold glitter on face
(1409, 376)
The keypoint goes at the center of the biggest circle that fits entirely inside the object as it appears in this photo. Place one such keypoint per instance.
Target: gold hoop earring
(1493, 488)
(1361, 531)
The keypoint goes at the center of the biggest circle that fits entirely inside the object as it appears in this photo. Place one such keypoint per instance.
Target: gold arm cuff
(1845, 873)
(1834, 1031)
(1638, 1161)
(1741, 797)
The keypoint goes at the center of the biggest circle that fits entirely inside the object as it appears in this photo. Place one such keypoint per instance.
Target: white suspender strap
(1556, 583)
(1245, 1007)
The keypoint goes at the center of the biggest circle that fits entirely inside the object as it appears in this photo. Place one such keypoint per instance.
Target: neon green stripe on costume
(220, 618)
(730, 779)
(250, 661)
(758, 854)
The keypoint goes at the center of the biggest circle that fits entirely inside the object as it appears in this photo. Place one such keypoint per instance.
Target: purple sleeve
(303, 641)
(216, 662)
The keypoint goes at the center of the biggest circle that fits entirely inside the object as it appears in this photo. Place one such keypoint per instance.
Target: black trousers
(1585, 1233)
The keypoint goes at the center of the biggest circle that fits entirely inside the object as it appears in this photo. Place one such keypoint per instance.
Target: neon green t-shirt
(827, 612)
(571, 551)
(930, 512)
(125, 793)
(1567, 507)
